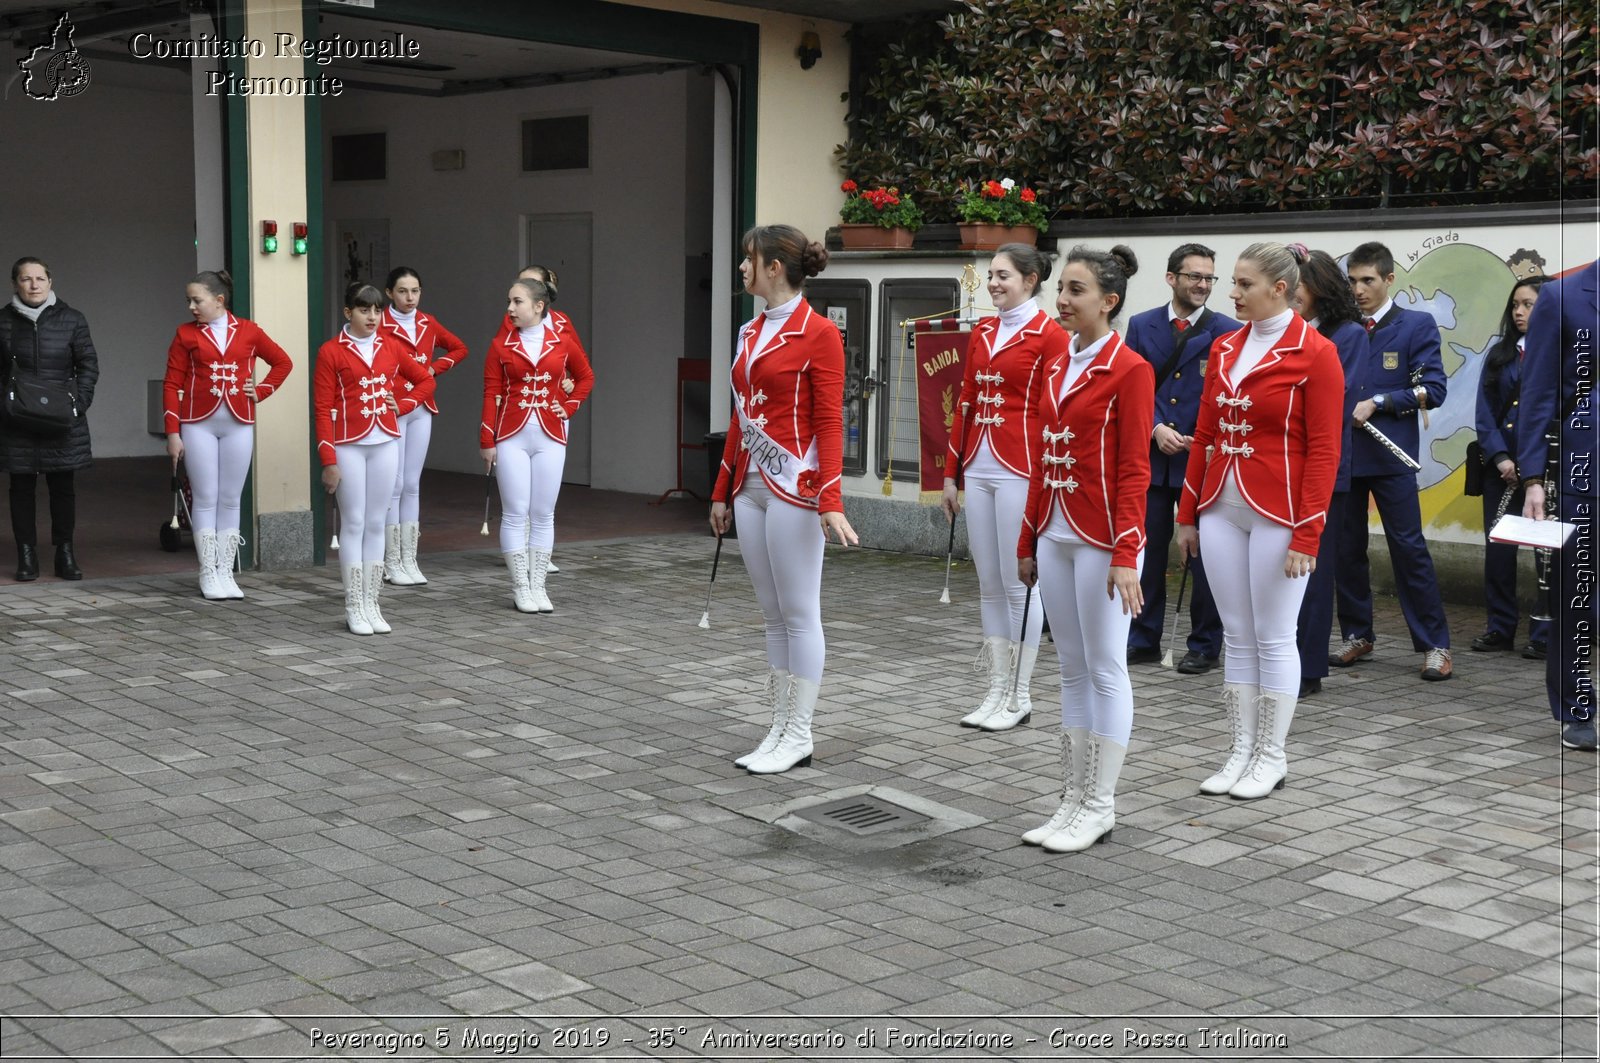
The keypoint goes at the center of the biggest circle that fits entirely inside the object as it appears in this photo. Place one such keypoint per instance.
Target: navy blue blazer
(1178, 396)
(1499, 400)
(1350, 339)
(1560, 352)
(1402, 352)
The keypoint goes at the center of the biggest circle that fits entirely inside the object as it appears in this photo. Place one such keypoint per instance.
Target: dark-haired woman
(1328, 305)
(355, 396)
(523, 435)
(1085, 524)
(49, 341)
(208, 401)
(994, 442)
(417, 336)
(1270, 424)
(1499, 388)
(780, 471)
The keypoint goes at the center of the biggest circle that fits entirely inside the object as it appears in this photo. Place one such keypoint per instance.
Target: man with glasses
(1176, 340)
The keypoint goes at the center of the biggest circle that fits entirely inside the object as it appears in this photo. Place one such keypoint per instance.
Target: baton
(716, 559)
(950, 550)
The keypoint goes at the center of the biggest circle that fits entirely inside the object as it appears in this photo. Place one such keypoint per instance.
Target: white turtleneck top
(1263, 334)
(532, 340)
(219, 330)
(406, 321)
(773, 318)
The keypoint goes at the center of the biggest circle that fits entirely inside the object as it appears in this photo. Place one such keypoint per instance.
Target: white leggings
(528, 468)
(216, 452)
(994, 521)
(1091, 633)
(1260, 606)
(366, 475)
(416, 429)
(782, 548)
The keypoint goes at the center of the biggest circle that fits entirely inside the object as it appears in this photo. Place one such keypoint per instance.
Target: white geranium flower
(1007, 183)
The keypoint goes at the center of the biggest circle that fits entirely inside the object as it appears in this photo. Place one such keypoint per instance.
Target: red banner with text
(940, 350)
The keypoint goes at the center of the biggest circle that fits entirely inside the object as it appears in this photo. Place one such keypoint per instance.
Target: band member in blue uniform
(1558, 377)
(1175, 339)
(1404, 374)
(1499, 414)
(1327, 304)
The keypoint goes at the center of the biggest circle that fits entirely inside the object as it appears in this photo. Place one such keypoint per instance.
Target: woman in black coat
(46, 338)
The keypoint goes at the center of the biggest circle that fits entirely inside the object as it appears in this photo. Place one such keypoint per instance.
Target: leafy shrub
(1120, 107)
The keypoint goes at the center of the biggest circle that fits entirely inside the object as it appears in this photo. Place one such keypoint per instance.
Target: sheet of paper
(1548, 534)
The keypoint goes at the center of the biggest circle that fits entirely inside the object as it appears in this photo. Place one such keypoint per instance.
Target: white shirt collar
(1382, 310)
(1172, 315)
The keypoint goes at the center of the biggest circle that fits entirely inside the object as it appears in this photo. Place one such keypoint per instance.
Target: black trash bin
(715, 441)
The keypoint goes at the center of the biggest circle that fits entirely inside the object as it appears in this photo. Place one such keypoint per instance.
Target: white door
(565, 244)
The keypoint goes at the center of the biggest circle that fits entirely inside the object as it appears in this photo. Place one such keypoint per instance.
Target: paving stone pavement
(235, 830)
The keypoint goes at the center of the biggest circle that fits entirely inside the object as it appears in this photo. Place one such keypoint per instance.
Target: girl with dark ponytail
(418, 337)
(1085, 521)
(209, 399)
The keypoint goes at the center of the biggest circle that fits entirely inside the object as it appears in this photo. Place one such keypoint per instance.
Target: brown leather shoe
(1351, 652)
(1436, 665)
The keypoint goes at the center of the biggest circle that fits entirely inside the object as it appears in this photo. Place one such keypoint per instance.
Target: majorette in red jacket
(201, 376)
(1000, 390)
(430, 337)
(1278, 431)
(518, 383)
(352, 398)
(1094, 465)
(793, 390)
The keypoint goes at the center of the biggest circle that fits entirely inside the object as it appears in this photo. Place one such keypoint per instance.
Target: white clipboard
(1540, 534)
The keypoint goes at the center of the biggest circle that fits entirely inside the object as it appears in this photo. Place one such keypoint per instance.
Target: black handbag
(37, 406)
(1473, 467)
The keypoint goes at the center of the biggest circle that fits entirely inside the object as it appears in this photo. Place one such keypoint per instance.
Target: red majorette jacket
(201, 376)
(351, 397)
(1278, 431)
(1094, 465)
(1000, 391)
(788, 413)
(519, 383)
(430, 337)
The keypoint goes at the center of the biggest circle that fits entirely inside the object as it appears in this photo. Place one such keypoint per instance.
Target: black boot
(66, 564)
(27, 564)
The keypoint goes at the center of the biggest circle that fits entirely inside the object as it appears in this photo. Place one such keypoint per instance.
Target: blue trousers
(1205, 625)
(1316, 608)
(1575, 612)
(1500, 567)
(1414, 578)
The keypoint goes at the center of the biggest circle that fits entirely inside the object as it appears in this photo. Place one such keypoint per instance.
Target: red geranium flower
(806, 486)
(993, 190)
(1028, 196)
(848, 186)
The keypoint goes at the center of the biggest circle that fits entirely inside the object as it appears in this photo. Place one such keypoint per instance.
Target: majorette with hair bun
(417, 336)
(994, 442)
(523, 433)
(780, 470)
(208, 400)
(1085, 524)
(1266, 457)
(356, 391)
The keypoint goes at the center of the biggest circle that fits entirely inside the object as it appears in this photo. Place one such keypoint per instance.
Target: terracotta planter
(874, 238)
(984, 236)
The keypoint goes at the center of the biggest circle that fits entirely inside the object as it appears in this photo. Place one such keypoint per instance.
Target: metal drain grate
(862, 815)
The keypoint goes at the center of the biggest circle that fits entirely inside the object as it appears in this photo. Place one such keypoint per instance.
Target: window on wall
(560, 143)
(359, 157)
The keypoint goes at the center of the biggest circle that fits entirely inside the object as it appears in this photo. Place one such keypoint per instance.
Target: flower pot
(986, 236)
(855, 237)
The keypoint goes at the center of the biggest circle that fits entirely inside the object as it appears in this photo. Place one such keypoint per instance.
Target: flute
(1390, 445)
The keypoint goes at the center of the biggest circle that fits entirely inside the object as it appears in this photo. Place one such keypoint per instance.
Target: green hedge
(1123, 107)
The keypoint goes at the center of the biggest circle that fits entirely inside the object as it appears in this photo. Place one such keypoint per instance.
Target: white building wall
(101, 186)
(461, 230)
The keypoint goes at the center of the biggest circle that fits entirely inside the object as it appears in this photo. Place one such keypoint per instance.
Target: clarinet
(1542, 556)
